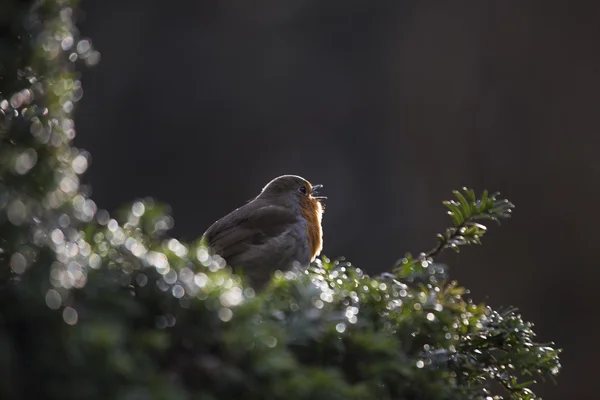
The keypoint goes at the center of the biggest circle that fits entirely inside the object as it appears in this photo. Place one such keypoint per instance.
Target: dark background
(390, 105)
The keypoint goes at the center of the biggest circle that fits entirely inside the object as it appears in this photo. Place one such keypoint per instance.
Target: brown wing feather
(234, 233)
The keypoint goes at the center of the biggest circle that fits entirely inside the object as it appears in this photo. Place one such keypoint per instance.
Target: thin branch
(443, 243)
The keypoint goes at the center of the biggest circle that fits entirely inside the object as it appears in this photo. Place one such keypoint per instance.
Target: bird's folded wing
(242, 230)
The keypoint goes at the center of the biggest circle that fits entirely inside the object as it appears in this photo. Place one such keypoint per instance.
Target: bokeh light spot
(70, 315)
(225, 314)
(178, 291)
(53, 299)
(18, 263)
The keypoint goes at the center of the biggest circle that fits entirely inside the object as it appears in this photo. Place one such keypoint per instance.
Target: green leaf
(464, 204)
(470, 194)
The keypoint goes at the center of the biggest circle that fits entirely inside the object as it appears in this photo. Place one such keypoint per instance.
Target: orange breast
(312, 211)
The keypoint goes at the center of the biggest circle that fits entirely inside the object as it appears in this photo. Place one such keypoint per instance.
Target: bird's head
(293, 188)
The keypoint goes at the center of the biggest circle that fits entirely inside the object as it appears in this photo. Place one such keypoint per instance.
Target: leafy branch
(503, 341)
(464, 213)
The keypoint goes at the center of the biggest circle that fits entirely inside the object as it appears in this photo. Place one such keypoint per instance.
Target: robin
(278, 228)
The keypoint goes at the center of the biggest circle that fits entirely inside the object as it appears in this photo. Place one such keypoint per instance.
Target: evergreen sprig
(464, 213)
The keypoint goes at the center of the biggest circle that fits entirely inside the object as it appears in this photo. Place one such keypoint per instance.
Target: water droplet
(170, 277)
(53, 299)
(95, 261)
(79, 164)
(16, 100)
(77, 92)
(217, 263)
(178, 291)
(225, 314)
(420, 364)
(70, 315)
(201, 279)
(138, 209)
(270, 341)
(430, 316)
(159, 261)
(103, 217)
(89, 210)
(231, 297)
(67, 43)
(68, 107)
(18, 263)
(203, 256)
(186, 275)
(112, 225)
(93, 58)
(25, 161)
(141, 279)
(341, 327)
(327, 297)
(64, 221)
(16, 212)
(83, 46)
(69, 184)
(176, 247)
(57, 236)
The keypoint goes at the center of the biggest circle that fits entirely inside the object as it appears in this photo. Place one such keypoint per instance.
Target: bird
(276, 230)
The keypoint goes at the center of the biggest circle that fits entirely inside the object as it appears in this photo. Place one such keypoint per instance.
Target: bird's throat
(312, 211)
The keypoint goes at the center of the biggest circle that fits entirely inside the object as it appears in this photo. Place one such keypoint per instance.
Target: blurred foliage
(96, 307)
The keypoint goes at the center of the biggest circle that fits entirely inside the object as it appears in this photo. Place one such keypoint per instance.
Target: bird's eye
(302, 189)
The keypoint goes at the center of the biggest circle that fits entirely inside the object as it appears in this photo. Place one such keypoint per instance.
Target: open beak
(315, 191)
